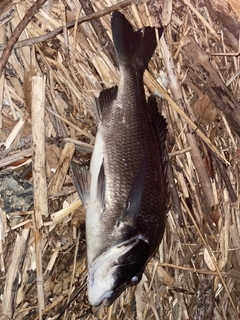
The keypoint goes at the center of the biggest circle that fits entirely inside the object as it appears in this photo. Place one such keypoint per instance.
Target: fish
(125, 191)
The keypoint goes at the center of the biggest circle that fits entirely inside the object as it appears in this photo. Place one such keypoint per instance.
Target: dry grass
(196, 273)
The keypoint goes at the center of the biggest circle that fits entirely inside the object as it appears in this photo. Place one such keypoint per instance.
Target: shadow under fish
(125, 191)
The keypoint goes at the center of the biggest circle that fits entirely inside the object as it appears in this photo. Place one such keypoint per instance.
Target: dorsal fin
(104, 100)
(82, 179)
(134, 200)
(160, 129)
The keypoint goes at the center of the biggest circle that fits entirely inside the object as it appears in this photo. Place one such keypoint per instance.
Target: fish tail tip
(133, 47)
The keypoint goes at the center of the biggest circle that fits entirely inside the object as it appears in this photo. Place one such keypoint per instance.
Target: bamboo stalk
(39, 177)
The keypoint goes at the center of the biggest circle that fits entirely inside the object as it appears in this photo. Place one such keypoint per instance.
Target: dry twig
(17, 32)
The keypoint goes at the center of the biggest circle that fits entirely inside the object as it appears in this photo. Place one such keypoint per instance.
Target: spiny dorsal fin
(160, 129)
(104, 100)
(82, 179)
(159, 123)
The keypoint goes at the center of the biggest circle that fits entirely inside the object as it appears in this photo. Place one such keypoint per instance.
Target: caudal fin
(134, 48)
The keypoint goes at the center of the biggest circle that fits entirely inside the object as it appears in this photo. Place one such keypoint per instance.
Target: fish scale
(128, 151)
(125, 192)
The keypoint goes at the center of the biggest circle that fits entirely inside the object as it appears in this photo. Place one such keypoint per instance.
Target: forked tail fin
(133, 48)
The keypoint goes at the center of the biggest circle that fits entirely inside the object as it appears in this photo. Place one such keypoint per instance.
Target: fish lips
(123, 271)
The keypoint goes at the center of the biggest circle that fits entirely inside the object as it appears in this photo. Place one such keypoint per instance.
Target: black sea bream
(125, 191)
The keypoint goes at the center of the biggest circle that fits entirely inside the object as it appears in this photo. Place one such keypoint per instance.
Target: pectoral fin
(134, 200)
(82, 179)
(101, 186)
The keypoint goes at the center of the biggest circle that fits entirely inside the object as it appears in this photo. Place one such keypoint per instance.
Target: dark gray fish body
(125, 192)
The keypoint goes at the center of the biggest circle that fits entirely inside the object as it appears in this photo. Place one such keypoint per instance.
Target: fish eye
(134, 280)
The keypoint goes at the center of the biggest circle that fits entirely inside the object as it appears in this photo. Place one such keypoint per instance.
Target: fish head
(116, 269)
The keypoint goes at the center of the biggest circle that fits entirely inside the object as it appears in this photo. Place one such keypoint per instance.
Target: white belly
(93, 209)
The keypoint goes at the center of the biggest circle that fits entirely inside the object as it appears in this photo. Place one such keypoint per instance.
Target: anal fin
(104, 100)
(82, 179)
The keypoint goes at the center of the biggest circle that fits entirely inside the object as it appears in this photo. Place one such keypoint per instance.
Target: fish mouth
(108, 297)
(107, 300)
(112, 296)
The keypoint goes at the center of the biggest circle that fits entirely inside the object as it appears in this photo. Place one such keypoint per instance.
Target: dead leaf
(215, 216)
(205, 110)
